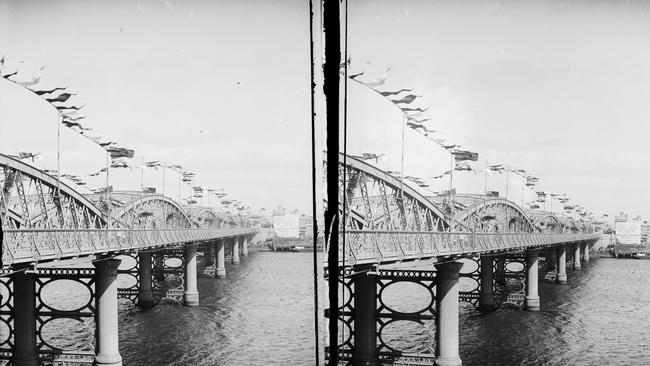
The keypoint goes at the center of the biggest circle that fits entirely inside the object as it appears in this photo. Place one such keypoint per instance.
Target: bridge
(51, 232)
(485, 251)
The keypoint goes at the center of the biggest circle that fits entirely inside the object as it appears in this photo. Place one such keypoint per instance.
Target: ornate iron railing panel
(376, 247)
(37, 245)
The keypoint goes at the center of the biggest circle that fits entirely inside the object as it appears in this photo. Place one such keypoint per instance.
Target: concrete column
(244, 246)
(585, 252)
(561, 264)
(159, 264)
(447, 314)
(532, 264)
(365, 320)
(106, 333)
(486, 297)
(221, 262)
(500, 274)
(576, 256)
(191, 291)
(25, 320)
(235, 250)
(145, 292)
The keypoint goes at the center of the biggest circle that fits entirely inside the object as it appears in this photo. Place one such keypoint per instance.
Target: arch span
(151, 211)
(32, 196)
(491, 214)
(385, 202)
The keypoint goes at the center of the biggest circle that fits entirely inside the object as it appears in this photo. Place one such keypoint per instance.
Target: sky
(219, 87)
(558, 88)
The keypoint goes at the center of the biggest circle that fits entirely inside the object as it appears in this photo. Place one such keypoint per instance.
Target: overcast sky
(558, 88)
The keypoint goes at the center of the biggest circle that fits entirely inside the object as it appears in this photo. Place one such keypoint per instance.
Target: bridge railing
(22, 246)
(363, 247)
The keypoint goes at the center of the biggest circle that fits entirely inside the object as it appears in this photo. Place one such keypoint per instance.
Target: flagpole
(58, 158)
(507, 179)
(108, 198)
(522, 192)
(179, 187)
(163, 182)
(451, 196)
(142, 178)
(486, 173)
(401, 184)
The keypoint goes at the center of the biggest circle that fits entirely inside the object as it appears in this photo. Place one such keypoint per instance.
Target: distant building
(286, 226)
(628, 231)
(306, 226)
(645, 230)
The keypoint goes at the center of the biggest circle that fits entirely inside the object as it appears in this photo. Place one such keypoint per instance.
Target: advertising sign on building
(287, 226)
(628, 231)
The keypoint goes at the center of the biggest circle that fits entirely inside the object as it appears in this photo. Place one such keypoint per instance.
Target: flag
(353, 76)
(198, 189)
(149, 189)
(33, 81)
(541, 194)
(409, 109)
(119, 152)
(103, 190)
(379, 82)
(191, 202)
(153, 164)
(61, 98)
(387, 93)
(464, 155)
(442, 175)
(42, 92)
(119, 164)
(62, 107)
(497, 168)
(405, 100)
(534, 206)
(492, 193)
(463, 167)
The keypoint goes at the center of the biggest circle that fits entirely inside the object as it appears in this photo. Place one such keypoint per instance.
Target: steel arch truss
(546, 222)
(151, 211)
(496, 215)
(383, 201)
(32, 199)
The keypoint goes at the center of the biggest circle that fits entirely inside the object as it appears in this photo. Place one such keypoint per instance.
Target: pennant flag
(497, 168)
(463, 167)
(534, 206)
(33, 81)
(103, 190)
(27, 155)
(492, 193)
(153, 164)
(405, 100)
(464, 155)
(409, 109)
(387, 93)
(448, 147)
(60, 107)
(352, 76)
(119, 152)
(442, 175)
(149, 189)
(94, 174)
(379, 82)
(42, 92)
(61, 98)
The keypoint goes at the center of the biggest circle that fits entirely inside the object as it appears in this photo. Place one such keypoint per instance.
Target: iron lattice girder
(26, 246)
(378, 247)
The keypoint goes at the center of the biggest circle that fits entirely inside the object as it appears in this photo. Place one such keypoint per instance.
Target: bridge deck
(30, 246)
(382, 247)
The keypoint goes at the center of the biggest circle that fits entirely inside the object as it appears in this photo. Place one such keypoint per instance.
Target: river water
(262, 314)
